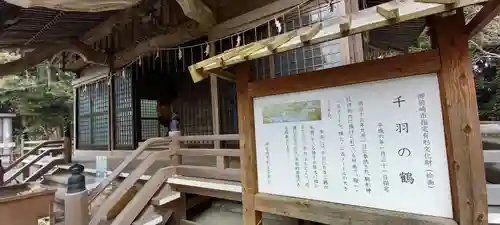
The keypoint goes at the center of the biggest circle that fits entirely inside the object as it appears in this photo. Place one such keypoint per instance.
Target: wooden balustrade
(136, 153)
(35, 150)
(225, 181)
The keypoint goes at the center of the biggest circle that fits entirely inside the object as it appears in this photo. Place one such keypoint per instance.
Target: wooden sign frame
(450, 61)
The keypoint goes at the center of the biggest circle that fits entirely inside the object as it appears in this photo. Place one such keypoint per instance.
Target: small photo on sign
(292, 112)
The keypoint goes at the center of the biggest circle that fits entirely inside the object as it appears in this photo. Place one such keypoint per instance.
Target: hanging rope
(279, 26)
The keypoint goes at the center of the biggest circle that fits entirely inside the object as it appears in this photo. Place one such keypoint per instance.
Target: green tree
(42, 96)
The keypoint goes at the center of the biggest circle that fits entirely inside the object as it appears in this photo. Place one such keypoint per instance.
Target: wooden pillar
(355, 42)
(461, 122)
(247, 145)
(222, 162)
(67, 145)
(180, 207)
(75, 116)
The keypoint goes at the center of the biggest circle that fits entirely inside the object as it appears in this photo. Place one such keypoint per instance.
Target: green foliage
(41, 96)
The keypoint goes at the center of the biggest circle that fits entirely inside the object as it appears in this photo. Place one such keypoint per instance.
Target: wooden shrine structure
(447, 61)
(221, 65)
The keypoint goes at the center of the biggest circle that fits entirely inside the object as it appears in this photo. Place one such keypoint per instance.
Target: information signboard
(378, 144)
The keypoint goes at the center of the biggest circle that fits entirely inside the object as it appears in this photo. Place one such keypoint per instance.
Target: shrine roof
(31, 27)
(388, 14)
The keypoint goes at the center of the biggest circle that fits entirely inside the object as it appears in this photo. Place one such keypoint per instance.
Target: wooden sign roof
(385, 14)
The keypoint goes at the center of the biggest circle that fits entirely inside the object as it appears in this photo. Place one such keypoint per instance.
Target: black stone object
(76, 182)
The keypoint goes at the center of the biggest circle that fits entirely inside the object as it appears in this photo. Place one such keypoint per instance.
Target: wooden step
(213, 184)
(165, 196)
(143, 197)
(154, 218)
(230, 190)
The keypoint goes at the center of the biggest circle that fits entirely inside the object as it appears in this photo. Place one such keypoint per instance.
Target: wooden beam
(393, 67)
(364, 20)
(39, 55)
(340, 214)
(489, 11)
(251, 19)
(175, 36)
(461, 122)
(197, 11)
(247, 143)
(309, 34)
(122, 17)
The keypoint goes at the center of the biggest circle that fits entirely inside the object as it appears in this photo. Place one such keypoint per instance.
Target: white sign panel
(379, 144)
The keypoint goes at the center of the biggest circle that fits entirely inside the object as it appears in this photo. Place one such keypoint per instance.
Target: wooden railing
(152, 144)
(47, 147)
(40, 145)
(156, 187)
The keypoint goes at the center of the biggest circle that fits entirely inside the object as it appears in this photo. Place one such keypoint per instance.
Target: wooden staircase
(171, 190)
(50, 151)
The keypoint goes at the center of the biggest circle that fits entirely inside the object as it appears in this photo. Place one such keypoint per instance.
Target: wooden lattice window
(123, 110)
(92, 124)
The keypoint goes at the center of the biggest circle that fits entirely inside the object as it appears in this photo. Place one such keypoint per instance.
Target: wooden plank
(340, 214)
(220, 137)
(124, 186)
(213, 184)
(309, 34)
(165, 196)
(141, 199)
(364, 20)
(282, 39)
(209, 152)
(389, 11)
(209, 172)
(247, 144)
(489, 11)
(461, 122)
(394, 67)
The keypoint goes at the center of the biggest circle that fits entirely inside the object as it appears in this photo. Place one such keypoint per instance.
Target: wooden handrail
(29, 164)
(136, 153)
(174, 151)
(31, 152)
(219, 137)
(128, 183)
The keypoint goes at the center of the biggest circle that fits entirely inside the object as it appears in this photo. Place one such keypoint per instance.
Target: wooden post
(354, 42)
(68, 147)
(175, 145)
(222, 162)
(180, 207)
(461, 122)
(247, 145)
